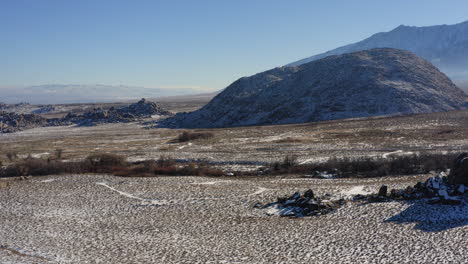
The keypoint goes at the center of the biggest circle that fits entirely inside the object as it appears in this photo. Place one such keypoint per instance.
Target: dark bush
(58, 153)
(287, 163)
(101, 163)
(166, 166)
(34, 167)
(289, 140)
(11, 156)
(368, 166)
(105, 159)
(189, 136)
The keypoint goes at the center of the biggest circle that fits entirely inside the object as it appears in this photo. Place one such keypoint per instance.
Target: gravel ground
(105, 219)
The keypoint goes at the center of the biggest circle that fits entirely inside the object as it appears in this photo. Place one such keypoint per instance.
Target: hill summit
(360, 84)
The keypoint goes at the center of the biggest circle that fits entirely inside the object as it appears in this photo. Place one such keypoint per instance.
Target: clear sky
(197, 43)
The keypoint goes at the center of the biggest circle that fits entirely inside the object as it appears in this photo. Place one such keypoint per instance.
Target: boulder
(383, 191)
(298, 205)
(459, 171)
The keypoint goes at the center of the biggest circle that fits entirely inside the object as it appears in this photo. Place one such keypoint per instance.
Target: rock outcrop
(299, 205)
(132, 112)
(143, 108)
(13, 122)
(436, 190)
(361, 84)
(44, 109)
(459, 172)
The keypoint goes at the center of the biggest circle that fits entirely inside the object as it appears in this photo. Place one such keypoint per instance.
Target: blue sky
(204, 44)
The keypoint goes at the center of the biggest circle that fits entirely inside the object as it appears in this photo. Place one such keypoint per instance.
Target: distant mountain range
(75, 93)
(360, 84)
(446, 46)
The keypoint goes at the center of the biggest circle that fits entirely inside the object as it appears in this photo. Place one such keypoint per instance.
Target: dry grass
(107, 163)
(341, 138)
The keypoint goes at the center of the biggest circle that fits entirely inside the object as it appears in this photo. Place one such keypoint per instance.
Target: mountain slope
(366, 83)
(446, 46)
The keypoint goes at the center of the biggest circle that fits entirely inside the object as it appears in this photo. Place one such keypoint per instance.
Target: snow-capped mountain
(365, 83)
(446, 46)
(71, 93)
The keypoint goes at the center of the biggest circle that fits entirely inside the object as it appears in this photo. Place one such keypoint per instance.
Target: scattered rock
(436, 189)
(298, 205)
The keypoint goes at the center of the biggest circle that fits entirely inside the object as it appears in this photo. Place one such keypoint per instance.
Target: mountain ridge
(446, 46)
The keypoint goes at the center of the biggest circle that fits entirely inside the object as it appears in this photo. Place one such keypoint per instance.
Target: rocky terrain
(435, 190)
(444, 45)
(13, 122)
(132, 112)
(366, 83)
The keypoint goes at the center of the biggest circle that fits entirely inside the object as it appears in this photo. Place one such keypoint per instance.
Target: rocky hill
(132, 112)
(360, 84)
(13, 122)
(446, 46)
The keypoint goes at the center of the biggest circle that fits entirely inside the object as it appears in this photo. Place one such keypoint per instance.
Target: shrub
(11, 156)
(58, 153)
(164, 161)
(102, 163)
(290, 140)
(34, 167)
(368, 166)
(166, 166)
(288, 162)
(105, 159)
(189, 136)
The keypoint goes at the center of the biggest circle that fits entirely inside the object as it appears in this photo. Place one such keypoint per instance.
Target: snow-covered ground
(105, 219)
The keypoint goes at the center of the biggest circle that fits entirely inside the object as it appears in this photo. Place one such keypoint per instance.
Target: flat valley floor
(108, 219)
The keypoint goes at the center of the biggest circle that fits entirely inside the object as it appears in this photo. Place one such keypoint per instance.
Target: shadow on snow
(432, 217)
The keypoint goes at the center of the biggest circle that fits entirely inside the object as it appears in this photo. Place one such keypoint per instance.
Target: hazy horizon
(204, 45)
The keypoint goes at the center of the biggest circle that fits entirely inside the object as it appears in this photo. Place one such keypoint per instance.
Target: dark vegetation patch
(366, 166)
(290, 140)
(190, 136)
(356, 167)
(166, 166)
(107, 163)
